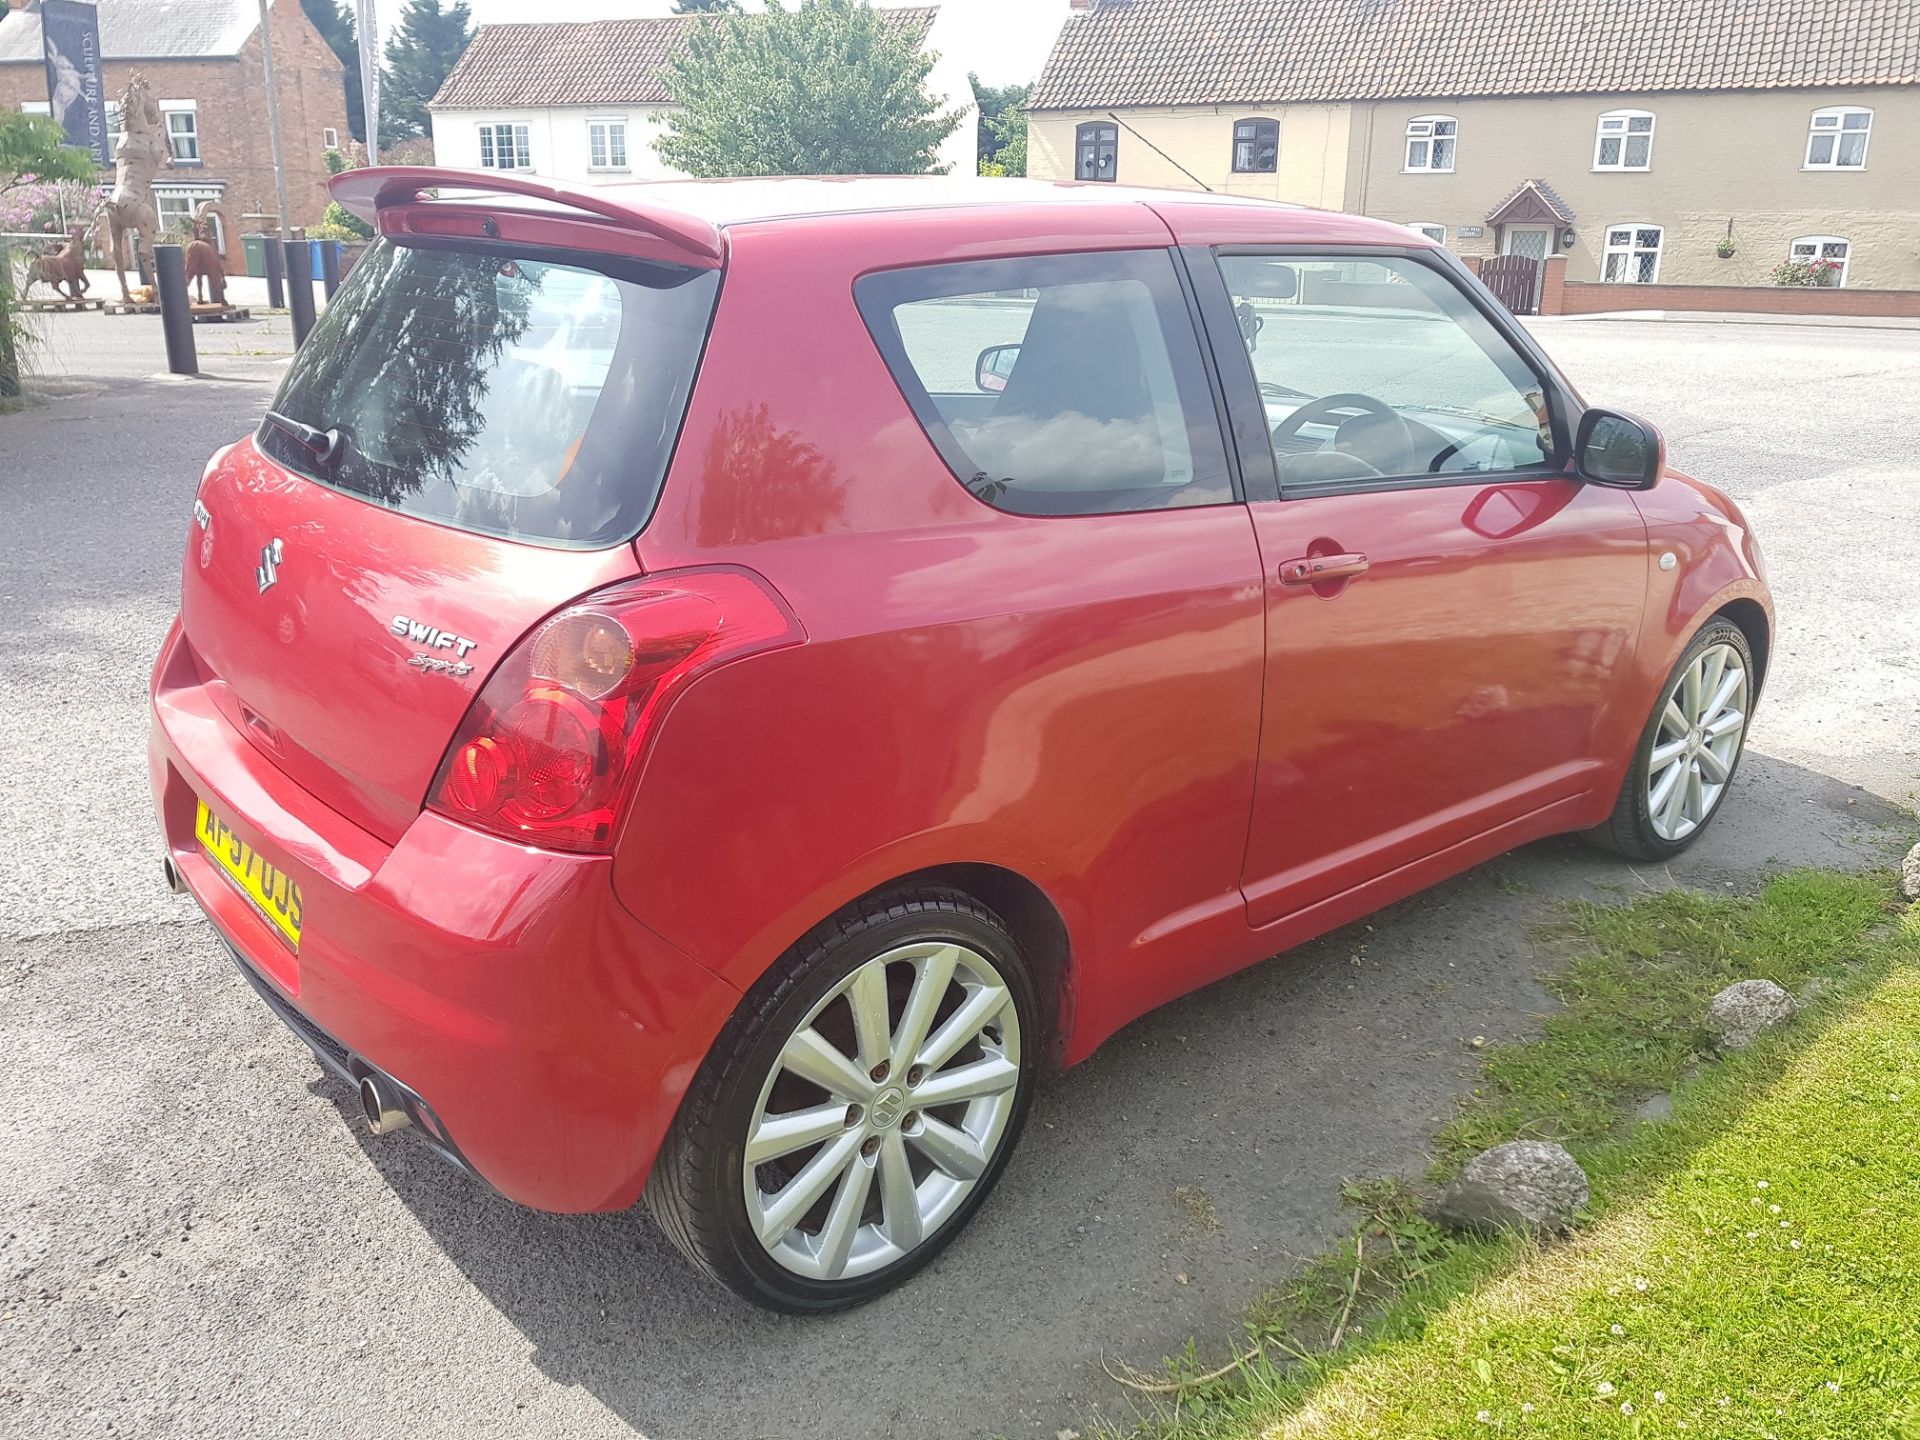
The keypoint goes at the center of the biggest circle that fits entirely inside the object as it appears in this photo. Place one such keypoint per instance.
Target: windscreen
(534, 397)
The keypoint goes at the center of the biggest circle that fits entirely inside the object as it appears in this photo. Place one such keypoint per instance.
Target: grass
(1751, 1266)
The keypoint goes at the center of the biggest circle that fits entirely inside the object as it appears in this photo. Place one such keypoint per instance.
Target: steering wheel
(1387, 434)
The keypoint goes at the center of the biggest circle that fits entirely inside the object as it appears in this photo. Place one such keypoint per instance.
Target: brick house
(1634, 138)
(201, 59)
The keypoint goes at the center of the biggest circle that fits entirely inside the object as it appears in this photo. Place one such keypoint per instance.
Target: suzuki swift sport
(701, 693)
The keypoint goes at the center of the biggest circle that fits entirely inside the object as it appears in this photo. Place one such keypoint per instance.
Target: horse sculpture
(205, 268)
(66, 266)
(139, 156)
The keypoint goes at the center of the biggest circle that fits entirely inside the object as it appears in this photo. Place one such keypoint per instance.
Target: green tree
(33, 149)
(830, 88)
(336, 25)
(706, 7)
(432, 37)
(1003, 127)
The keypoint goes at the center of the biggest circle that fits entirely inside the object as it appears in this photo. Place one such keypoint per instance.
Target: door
(1532, 242)
(1448, 611)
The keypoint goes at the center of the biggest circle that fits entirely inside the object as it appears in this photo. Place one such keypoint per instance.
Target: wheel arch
(1751, 617)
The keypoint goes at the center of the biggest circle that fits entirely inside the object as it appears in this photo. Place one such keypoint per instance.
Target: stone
(1654, 1108)
(1524, 1184)
(1745, 1010)
(1910, 874)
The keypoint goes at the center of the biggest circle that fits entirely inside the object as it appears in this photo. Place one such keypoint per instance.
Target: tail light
(550, 746)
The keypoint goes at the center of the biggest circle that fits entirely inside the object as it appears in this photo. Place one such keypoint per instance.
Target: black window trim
(1564, 404)
(876, 313)
(1080, 142)
(1233, 153)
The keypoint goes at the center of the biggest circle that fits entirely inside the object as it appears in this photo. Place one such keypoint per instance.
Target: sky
(1004, 41)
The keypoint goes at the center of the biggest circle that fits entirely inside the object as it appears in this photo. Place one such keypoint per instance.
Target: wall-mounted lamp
(1566, 238)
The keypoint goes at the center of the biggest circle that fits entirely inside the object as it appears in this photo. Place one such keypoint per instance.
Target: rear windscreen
(532, 398)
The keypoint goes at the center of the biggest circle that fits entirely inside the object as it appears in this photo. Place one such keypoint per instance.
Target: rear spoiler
(367, 192)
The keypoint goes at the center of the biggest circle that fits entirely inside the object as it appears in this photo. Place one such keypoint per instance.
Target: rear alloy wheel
(861, 1113)
(1689, 749)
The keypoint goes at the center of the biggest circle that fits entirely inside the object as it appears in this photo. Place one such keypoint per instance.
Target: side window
(1256, 147)
(1057, 384)
(1096, 152)
(1379, 368)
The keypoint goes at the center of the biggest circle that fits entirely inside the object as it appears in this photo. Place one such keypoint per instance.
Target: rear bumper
(547, 1033)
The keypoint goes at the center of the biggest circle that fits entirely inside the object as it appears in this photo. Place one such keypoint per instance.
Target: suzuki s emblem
(269, 567)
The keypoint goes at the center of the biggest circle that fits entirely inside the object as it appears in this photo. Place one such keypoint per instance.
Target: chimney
(1080, 7)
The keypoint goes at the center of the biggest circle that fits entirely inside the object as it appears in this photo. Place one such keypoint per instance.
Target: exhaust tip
(170, 873)
(382, 1107)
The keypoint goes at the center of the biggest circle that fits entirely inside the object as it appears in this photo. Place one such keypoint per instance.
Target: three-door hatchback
(703, 691)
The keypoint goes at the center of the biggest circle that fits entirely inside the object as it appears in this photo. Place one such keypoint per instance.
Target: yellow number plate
(273, 892)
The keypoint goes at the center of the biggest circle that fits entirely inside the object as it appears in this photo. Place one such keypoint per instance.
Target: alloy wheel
(883, 1109)
(1697, 741)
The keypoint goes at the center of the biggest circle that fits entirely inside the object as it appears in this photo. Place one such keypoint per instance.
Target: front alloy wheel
(859, 1107)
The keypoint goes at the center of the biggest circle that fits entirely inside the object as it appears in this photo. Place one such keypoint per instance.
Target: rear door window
(523, 395)
(1058, 384)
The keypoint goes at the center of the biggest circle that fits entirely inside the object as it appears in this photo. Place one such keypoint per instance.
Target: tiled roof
(1547, 202)
(144, 29)
(600, 62)
(1207, 52)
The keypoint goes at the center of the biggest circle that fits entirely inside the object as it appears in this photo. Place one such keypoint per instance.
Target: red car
(701, 692)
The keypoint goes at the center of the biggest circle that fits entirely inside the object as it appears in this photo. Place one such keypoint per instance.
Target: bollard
(276, 269)
(300, 288)
(329, 266)
(176, 311)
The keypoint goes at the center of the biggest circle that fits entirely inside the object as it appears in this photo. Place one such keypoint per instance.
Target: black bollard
(276, 270)
(329, 266)
(176, 311)
(300, 288)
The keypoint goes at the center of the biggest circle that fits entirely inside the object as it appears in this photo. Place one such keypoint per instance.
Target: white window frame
(194, 196)
(1617, 125)
(1830, 122)
(1433, 232)
(1424, 131)
(517, 139)
(1633, 249)
(169, 111)
(600, 140)
(1818, 244)
(329, 138)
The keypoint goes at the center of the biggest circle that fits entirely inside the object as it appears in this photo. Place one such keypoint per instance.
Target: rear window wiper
(325, 444)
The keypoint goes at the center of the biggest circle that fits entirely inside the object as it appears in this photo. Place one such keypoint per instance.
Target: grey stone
(1654, 1107)
(1910, 874)
(1524, 1184)
(1744, 1010)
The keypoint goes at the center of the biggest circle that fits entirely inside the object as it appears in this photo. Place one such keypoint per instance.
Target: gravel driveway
(196, 1242)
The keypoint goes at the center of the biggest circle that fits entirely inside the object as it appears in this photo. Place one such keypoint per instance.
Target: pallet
(120, 307)
(55, 307)
(220, 314)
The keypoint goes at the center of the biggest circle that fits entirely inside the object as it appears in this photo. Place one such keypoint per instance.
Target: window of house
(607, 144)
(1381, 368)
(1430, 142)
(1256, 147)
(504, 147)
(1624, 141)
(329, 138)
(183, 131)
(1086, 395)
(1830, 248)
(176, 204)
(1433, 232)
(1632, 254)
(1096, 151)
(1837, 138)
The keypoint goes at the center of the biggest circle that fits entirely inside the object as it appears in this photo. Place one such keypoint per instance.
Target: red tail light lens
(551, 744)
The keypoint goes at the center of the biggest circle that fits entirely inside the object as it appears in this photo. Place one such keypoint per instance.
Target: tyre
(1689, 750)
(857, 1108)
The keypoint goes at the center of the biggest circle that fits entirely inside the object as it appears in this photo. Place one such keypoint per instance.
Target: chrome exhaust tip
(382, 1106)
(170, 873)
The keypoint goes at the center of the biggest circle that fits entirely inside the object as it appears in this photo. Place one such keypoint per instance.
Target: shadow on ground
(1262, 1093)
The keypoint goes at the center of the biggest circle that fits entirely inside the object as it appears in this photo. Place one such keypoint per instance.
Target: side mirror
(1269, 280)
(995, 367)
(1614, 448)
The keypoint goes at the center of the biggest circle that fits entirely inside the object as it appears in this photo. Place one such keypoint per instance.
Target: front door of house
(1533, 241)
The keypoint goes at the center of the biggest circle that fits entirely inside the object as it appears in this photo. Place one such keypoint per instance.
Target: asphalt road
(195, 1242)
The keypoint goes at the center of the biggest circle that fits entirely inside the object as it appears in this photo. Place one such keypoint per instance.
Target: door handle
(1313, 569)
